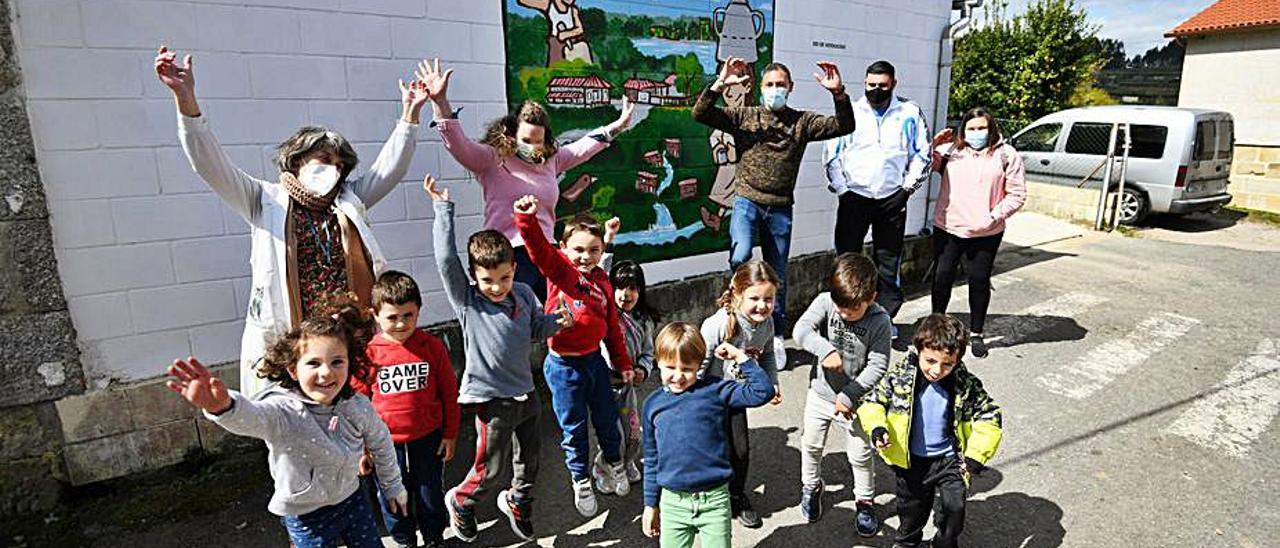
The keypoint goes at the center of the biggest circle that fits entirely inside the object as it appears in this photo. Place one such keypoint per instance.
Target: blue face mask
(774, 98)
(976, 138)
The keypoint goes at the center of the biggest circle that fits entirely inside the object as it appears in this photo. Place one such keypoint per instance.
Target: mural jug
(737, 26)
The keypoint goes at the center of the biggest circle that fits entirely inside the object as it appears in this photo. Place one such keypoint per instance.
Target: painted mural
(669, 179)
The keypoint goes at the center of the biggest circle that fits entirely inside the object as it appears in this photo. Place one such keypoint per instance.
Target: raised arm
(733, 72)
(240, 191)
(452, 274)
(574, 154)
(397, 153)
(475, 157)
(227, 408)
(820, 127)
(550, 262)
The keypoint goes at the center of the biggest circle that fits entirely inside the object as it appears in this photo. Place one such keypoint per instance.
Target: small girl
(316, 428)
(637, 319)
(745, 321)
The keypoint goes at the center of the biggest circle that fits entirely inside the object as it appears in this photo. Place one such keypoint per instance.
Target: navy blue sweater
(685, 448)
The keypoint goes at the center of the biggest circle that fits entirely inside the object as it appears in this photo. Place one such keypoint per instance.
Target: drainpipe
(945, 45)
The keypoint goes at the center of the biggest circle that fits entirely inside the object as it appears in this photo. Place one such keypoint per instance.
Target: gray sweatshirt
(313, 450)
(863, 345)
(496, 337)
(755, 340)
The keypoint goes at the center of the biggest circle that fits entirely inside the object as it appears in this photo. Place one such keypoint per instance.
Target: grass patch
(1257, 216)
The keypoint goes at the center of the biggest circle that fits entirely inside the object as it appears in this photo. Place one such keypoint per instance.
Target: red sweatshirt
(412, 386)
(589, 296)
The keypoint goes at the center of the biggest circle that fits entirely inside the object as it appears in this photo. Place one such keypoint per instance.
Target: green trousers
(705, 515)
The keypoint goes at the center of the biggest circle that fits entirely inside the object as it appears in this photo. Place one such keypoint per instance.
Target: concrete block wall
(1255, 178)
(154, 266)
(1063, 202)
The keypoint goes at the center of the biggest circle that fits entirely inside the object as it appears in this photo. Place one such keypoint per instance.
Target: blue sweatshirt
(685, 448)
(930, 424)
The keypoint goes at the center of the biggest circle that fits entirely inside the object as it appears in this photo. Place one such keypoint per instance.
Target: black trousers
(739, 451)
(887, 220)
(916, 489)
(979, 255)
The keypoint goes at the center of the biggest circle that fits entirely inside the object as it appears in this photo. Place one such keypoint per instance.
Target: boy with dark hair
(500, 319)
(850, 334)
(935, 425)
(413, 389)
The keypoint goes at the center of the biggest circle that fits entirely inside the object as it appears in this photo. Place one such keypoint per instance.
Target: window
(1148, 141)
(1206, 140)
(1226, 139)
(1089, 138)
(1040, 138)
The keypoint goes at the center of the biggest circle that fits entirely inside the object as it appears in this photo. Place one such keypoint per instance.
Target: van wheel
(1133, 207)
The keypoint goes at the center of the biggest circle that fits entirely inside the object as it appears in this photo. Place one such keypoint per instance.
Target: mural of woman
(724, 154)
(566, 38)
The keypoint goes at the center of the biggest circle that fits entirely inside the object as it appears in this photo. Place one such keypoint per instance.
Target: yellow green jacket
(976, 418)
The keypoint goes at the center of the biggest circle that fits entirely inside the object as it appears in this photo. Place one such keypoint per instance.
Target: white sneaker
(779, 353)
(633, 473)
(602, 475)
(621, 486)
(584, 499)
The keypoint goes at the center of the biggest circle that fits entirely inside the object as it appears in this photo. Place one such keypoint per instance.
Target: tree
(1111, 51)
(689, 74)
(1026, 66)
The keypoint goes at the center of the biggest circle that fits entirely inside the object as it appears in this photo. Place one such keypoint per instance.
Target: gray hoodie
(313, 450)
(863, 345)
(755, 340)
(496, 337)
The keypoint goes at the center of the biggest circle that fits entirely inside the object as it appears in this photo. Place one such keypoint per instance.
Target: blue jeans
(422, 472)
(772, 226)
(350, 521)
(580, 384)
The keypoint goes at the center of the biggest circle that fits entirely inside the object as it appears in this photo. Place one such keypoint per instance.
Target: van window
(1226, 139)
(1089, 138)
(1041, 138)
(1206, 140)
(1148, 141)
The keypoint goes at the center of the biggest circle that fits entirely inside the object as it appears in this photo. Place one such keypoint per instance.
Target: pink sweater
(505, 180)
(980, 189)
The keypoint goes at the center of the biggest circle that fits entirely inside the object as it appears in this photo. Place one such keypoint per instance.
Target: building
(673, 147)
(1233, 51)
(578, 91)
(646, 182)
(688, 188)
(655, 92)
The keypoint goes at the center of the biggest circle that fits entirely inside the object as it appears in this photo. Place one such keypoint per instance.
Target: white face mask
(319, 179)
(774, 98)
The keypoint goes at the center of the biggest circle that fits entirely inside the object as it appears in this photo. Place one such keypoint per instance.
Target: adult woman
(983, 183)
(309, 235)
(517, 157)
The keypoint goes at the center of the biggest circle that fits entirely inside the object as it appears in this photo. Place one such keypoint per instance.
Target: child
(744, 321)
(935, 425)
(850, 334)
(413, 389)
(575, 369)
(316, 428)
(500, 319)
(685, 444)
(638, 319)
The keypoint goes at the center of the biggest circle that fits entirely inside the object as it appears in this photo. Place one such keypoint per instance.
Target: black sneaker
(811, 502)
(866, 521)
(898, 342)
(977, 346)
(519, 515)
(462, 520)
(745, 514)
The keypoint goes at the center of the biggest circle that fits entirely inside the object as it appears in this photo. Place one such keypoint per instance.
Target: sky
(1140, 24)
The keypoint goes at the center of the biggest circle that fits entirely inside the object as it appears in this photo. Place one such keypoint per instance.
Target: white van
(1178, 163)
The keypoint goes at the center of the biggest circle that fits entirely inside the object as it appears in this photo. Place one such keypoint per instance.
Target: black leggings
(979, 256)
(739, 451)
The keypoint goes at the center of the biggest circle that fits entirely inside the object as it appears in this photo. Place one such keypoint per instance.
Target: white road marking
(1112, 359)
(1231, 418)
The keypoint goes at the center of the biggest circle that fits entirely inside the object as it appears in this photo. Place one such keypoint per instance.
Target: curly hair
(939, 331)
(339, 317)
(501, 133)
(312, 139)
(747, 275)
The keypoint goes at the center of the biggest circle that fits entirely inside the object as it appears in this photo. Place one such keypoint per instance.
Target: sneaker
(621, 486)
(744, 513)
(462, 520)
(779, 353)
(811, 502)
(898, 343)
(633, 473)
(584, 499)
(977, 346)
(602, 476)
(520, 516)
(866, 521)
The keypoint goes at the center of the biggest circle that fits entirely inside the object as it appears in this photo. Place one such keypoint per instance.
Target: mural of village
(669, 179)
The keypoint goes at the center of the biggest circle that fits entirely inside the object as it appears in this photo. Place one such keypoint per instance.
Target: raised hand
(611, 229)
(192, 380)
(829, 77)
(527, 205)
(413, 96)
(624, 118)
(734, 72)
(180, 79)
(565, 320)
(436, 82)
(729, 352)
(429, 186)
(943, 136)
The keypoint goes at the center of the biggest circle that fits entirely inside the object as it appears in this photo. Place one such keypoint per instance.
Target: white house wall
(155, 267)
(1236, 72)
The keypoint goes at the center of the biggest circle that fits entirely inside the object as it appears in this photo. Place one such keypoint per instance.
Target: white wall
(1237, 72)
(155, 267)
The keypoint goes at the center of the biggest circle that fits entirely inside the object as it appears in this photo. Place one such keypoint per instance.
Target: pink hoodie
(505, 180)
(980, 189)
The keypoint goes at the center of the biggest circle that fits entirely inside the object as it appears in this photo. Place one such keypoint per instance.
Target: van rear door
(1208, 172)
